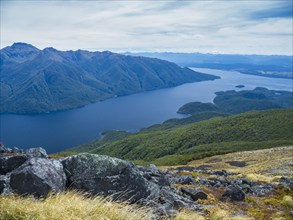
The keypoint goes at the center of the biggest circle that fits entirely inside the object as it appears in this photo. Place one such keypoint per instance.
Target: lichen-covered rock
(36, 152)
(170, 199)
(99, 174)
(153, 174)
(194, 194)
(16, 150)
(234, 193)
(262, 190)
(4, 150)
(9, 163)
(286, 182)
(183, 179)
(38, 176)
(4, 185)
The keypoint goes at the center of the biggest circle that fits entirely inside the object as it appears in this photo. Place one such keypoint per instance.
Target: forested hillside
(178, 145)
(37, 81)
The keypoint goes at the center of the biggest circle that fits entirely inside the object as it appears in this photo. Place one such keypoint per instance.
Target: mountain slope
(234, 102)
(279, 66)
(36, 81)
(247, 131)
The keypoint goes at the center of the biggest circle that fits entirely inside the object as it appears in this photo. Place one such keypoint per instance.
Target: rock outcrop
(10, 163)
(36, 152)
(165, 199)
(234, 193)
(38, 177)
(165, 192)
(32, 172)
(195, 194)
(103, 175)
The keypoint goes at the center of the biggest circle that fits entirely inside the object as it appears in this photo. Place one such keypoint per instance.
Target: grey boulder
(4, 185)
(194, 194)
(262, 190)
(234, 193)
(170, 199)
(9, 163)
(103, 175)
(38, 176)
(36, 152)
(183, 179)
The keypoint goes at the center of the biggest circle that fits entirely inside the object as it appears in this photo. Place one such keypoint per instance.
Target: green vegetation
(107, 136)
(197, 107)
(258, 99)
(211, 129)
(233, 102)
(196, 117)
(228, 103)
(178, 145)
(275, 206)
(37, 81)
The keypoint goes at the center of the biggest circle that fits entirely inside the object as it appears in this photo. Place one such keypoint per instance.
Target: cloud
(279, 9)
(250, 27)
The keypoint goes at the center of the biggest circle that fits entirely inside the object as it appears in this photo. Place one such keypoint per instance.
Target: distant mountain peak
(50, 49)
(22, 45)
(19, 52)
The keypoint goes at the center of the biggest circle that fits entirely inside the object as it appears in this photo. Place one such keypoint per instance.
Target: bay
(60, 130)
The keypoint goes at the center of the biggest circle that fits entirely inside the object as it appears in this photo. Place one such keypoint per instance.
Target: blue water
(60, 130)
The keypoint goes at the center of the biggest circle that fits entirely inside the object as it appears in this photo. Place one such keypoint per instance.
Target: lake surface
(60, 130)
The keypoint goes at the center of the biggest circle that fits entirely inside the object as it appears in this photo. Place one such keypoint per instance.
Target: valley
(58, 131)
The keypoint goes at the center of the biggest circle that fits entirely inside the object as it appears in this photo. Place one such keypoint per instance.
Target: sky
(218, 26)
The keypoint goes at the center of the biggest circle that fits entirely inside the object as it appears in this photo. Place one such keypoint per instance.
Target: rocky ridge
(165, 192)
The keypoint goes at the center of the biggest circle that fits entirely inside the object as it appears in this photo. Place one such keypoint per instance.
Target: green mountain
(36, 81)
(233, 102)
(211, 128)
(178, 145)
(228, 103)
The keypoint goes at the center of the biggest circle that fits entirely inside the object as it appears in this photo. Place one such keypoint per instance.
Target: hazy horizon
(217, 27)
(151, 52)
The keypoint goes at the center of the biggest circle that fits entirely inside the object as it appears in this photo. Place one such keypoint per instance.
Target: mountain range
(277, 66)
(37, 81)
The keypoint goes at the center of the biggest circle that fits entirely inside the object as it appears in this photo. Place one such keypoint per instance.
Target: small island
(240, 86)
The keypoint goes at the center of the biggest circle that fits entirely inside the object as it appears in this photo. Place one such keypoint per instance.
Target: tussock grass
(187, 215)
(69, 205)
(220, 214)
(266, 165)
(287, 201)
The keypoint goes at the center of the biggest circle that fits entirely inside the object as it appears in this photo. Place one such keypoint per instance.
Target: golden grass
(70, 205)
(262, 178)
(287, 201)
(262, 165)
(266, 165)
(188, 215)
(221, 214)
